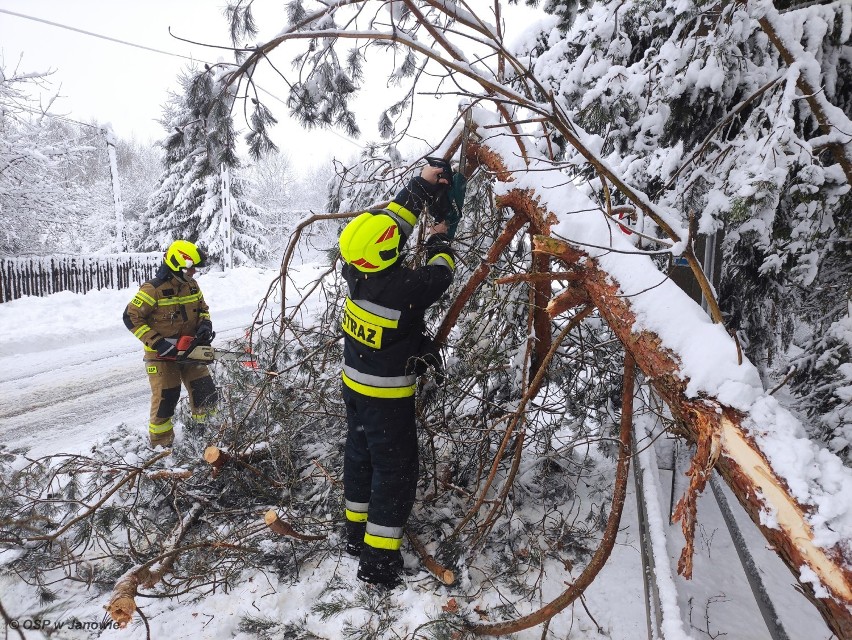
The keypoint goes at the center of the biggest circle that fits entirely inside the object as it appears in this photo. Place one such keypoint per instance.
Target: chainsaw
(457, 180)
(190, 352)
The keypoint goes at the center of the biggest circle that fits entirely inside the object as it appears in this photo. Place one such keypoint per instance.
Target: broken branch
(284, 528)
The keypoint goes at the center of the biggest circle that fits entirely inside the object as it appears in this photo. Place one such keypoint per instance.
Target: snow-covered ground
(70, 371)
(71, 374)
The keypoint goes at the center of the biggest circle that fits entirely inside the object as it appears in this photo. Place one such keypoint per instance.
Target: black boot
(355, 537)
(380, 566)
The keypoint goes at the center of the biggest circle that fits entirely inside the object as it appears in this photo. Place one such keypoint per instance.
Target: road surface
(60, 398)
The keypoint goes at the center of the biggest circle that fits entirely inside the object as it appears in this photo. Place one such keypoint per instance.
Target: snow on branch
(834, 123)
(785, 481)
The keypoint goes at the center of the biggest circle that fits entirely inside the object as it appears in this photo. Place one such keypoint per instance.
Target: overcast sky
(125, 85)
(103, 79)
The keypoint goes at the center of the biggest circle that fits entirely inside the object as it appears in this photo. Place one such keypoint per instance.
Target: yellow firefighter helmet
(370, 243)
(182, 254)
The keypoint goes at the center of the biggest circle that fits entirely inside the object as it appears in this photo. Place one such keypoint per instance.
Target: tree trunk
(739, 460)
(719, 430)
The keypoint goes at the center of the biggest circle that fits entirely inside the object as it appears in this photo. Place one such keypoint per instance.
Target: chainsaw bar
(206, 354)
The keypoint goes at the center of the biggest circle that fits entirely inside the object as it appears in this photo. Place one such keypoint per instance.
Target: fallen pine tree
(536, 338)
(735, 425)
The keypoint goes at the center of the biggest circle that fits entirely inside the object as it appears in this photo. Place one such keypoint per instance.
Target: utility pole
(228, 254)
(109, 136)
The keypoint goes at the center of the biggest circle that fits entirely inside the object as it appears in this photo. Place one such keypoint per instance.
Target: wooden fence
(41, 276)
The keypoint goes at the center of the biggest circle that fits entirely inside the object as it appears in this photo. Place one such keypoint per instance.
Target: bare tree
(40, 204)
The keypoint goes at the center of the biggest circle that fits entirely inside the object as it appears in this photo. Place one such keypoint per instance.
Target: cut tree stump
(284, 528)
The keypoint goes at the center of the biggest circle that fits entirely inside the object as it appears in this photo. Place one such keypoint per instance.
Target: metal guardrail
(653, 607)
(653, 604)
(755, 581)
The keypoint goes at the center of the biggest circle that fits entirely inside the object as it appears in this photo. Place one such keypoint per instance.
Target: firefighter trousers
(380, 466)
(165, 378)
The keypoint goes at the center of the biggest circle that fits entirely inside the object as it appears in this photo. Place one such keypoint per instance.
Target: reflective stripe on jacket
(383, 316)
(165, 307)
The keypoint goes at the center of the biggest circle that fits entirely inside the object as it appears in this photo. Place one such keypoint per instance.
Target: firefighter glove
(429, 357)
(166, 348)
(441, 205)
(446, 168)
(438, 243)
(204, 334)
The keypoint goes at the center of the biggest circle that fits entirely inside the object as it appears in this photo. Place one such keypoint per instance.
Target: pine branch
(603, 552)
(89, 511)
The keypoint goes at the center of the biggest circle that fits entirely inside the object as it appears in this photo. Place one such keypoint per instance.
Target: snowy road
(70, 372)
(56, 395)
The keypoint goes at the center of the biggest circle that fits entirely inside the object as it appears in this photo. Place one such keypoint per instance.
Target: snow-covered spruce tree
(188, 201)
(700, 109)
(823, 379)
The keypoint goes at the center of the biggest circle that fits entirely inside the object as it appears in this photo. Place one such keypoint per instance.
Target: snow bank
(72, 316)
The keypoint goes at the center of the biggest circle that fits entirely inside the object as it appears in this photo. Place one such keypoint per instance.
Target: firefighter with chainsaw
(165, 309)
(385, 349)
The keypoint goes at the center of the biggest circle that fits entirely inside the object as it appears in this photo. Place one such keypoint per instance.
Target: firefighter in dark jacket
(383, 323)
(166, 308)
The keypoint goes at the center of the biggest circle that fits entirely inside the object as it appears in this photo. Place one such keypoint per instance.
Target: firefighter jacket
(165, 307)
(383, 319)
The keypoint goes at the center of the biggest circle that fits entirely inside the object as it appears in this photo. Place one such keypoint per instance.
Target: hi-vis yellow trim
(372, 318)
(152, 369)
(378, 542)
(195, 297)
(160, 428)
(365, 326)
(204, 316)
(355, 516)
(446, 258)
(142, 297)
(142, 331)
(364, 332)
(206, 414)
(402, 212)
(379, 392)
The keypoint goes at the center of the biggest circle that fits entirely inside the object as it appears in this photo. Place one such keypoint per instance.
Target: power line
(98, 35)
(143, 47)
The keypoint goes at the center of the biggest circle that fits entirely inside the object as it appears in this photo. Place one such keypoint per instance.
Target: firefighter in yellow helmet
(167, 307)
(384, 346)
